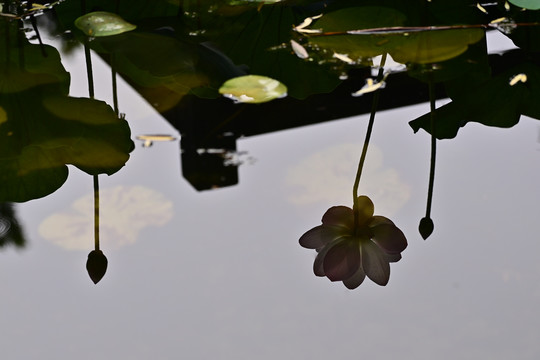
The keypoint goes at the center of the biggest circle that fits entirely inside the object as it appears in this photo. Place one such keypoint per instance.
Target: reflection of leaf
(527, 37)
(31, 175)
(471, 66)
(527, 4)
(432, 46)
(153, 60)
(420, 47)
(255, 38)
(42, 129)
(125, 213)
(102, 23)
(253, 89)
(494, 102)
(38, 70)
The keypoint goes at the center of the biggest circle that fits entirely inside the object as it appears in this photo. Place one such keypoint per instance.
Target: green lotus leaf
(102, 23)
(160, 67)
(419, 47)
(498, 101)
(253, 89)
(526, 4)
(31, 175)
(254, 39)
(433, 45)
(37, 70)
(359, 18)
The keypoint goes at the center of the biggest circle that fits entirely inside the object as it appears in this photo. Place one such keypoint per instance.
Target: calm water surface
(219, 274)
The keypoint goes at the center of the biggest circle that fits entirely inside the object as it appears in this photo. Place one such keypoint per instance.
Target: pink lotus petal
(342, 260)
(389, 238)
(375, 263)
(339, 216)
(393, 257)
(356, 280)
(318, 265)
(321, 235)
(378, 220)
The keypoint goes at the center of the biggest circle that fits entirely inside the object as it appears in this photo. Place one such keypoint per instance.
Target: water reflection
(11, 232)
(125, 213)
(326, 175)
(232, 280)
(179, 56)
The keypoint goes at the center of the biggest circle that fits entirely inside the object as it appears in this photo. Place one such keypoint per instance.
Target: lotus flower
(348, 253)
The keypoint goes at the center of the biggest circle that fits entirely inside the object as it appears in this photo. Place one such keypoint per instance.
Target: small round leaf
(102, 23)
(253, 89)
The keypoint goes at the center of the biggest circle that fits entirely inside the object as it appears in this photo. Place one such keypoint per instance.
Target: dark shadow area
(11, 232)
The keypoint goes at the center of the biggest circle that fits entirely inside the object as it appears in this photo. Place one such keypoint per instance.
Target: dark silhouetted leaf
(498, 101)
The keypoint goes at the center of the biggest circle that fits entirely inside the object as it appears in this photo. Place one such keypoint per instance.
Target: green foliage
(102, 23)
(526, 4)
(42, 129)
(495, 101)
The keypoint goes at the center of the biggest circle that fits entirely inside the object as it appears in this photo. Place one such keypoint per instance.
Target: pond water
(219, 272)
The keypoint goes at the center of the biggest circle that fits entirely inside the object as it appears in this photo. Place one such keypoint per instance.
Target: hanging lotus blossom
(349, 253)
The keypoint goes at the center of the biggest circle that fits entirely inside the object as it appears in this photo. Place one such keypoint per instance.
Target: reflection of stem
(96, 212)
(8, 45)
(34, 25)
(366, 143)
(89, 74)
(114, 89)
(20, 44)
(433, 147)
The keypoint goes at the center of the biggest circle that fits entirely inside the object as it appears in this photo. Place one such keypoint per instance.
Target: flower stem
(89, 72)
(114, 86)
(95, 177)
(366, 142)
(96, 212)
(433, 148)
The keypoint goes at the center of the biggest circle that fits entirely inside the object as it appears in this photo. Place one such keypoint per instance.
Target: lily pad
(366, 32)
(526, 4)
(253, 89)
(498, 101)
(102, 23)
(42, 129)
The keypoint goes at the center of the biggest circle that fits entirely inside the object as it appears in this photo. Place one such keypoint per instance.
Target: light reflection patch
(327, 177)
(124, 212)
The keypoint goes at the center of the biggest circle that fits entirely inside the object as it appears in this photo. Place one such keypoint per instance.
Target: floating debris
(370, 86)
(299, 50)
(518, 78)
(344, 58)
(307, 21)
(148, 140)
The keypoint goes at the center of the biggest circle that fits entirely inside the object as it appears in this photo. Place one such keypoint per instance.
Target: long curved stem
(114, 85)
(433, 148)
(95, 177)
(96, 212)
(89, 72)
(366, 142)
